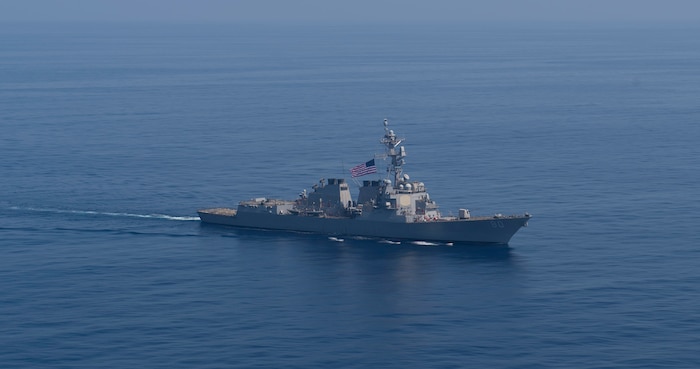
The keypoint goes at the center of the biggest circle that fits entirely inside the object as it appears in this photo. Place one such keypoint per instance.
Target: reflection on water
(366, 294)
(368, 271)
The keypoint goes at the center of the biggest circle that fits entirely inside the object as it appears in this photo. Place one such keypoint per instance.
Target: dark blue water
(113, 135)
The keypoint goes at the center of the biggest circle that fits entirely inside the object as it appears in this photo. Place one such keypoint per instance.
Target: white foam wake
(424, 243)
(112, 214)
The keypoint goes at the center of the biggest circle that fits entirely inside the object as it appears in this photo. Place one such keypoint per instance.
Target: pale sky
(351, 10)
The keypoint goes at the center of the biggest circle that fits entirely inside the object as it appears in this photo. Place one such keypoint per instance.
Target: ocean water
(112, 135)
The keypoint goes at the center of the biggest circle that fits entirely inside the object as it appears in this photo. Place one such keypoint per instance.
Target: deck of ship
(220, 211)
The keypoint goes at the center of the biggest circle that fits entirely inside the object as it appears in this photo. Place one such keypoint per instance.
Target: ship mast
(394, 151)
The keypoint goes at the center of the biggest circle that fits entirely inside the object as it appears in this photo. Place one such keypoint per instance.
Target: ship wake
(106, 213)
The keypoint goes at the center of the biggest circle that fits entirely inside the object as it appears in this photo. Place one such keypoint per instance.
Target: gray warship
(393, 209)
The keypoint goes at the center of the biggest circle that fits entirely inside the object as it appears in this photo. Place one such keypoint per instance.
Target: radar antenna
(397, 156)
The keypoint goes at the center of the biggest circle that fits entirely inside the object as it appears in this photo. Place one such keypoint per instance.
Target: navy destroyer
(394, 208)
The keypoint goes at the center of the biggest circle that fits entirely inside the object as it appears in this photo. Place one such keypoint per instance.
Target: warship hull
(393, 208)
(479, 230)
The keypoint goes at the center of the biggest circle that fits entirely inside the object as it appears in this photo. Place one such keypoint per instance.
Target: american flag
(363, 169)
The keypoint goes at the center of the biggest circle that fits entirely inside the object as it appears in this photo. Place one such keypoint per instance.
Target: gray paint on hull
(483, 230)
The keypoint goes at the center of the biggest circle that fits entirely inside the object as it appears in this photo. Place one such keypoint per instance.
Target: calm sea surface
(113, 135)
